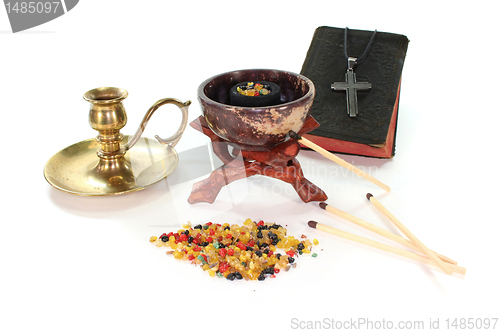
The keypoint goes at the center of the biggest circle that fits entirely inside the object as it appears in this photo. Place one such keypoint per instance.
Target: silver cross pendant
(351, 87)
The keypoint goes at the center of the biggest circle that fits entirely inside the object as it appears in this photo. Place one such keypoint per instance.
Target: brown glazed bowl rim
(310, 93)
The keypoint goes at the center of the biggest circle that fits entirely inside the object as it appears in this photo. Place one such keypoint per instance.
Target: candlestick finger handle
(172, 140)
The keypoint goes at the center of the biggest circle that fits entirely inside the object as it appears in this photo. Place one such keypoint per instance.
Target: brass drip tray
(77, 169)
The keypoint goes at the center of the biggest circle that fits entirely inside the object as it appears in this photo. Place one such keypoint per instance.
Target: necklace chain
(358, 60)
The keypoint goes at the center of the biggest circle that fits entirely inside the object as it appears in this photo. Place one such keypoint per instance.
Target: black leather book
(372, 132)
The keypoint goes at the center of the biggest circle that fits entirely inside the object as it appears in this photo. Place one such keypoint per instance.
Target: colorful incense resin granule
(249, 252)
(253, 89)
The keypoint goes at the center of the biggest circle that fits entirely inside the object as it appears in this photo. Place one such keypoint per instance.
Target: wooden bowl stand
(277, 162)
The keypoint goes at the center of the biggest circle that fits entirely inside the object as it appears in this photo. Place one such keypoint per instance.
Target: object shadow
(101, 207)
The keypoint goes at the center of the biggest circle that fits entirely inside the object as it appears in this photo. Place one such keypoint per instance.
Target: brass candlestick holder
(114, 163)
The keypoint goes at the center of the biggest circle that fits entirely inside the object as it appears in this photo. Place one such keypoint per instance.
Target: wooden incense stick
(378, 230)
(383, 247)
(338, 160)
(408, 234)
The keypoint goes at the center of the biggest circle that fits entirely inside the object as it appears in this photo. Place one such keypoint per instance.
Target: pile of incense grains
(236, 252)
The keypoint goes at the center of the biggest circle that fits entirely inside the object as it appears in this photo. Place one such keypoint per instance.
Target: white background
(82, 264)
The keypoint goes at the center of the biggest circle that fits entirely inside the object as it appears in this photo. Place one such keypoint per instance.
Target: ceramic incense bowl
(261, 125)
